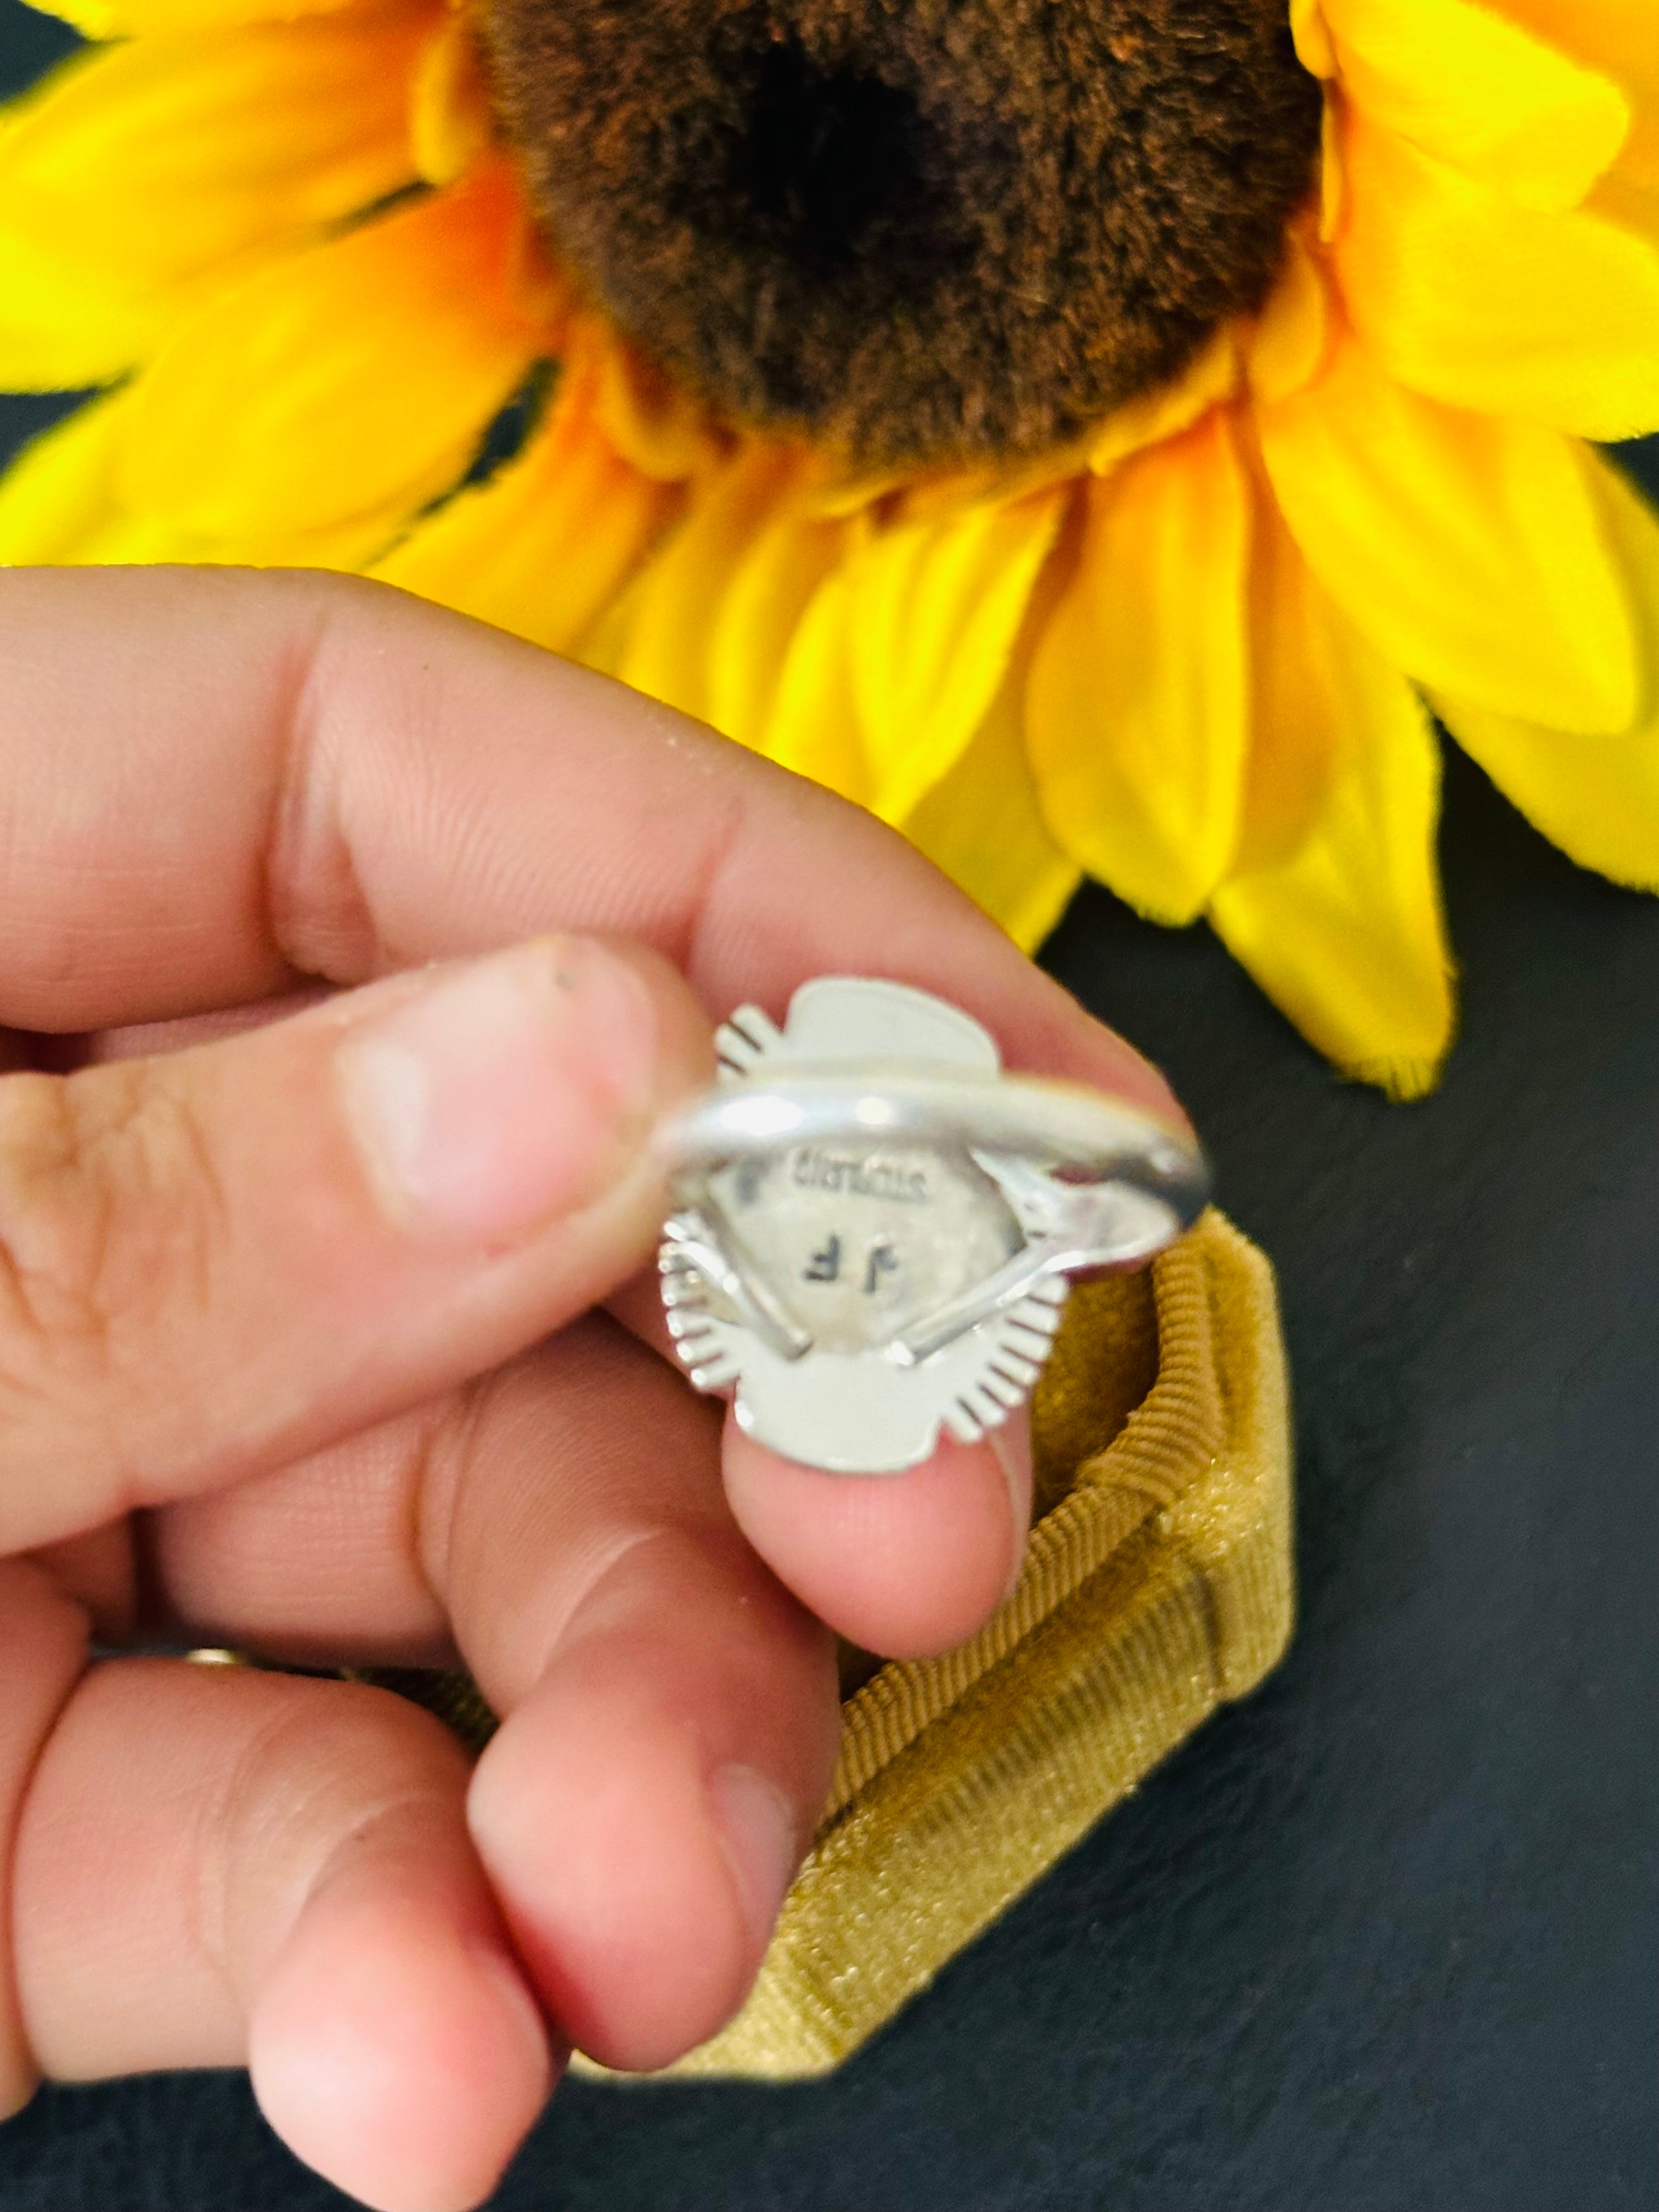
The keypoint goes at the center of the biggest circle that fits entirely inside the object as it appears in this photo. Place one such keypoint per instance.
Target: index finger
(215, 783)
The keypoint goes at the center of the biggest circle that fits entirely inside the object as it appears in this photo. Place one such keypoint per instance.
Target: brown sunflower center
(943, 227)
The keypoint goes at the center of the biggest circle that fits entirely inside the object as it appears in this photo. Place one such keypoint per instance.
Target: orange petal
(1470, 550)
(1596, 798)
(1135, 712)
(364, 370)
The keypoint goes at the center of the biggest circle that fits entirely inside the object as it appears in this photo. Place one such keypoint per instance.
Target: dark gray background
(1383, 1939)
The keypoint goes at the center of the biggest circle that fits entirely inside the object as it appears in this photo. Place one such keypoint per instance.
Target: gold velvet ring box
(1158, 1585)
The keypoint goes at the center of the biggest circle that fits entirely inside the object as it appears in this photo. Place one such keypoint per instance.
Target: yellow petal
(671, 634)
(60, 503)
(769, 592)
(1292, 336)
(604, 646)
(1297, 698)
(936, 606)
(1478, 92)
(141, 18)
(139, 175)
(57, 497)
(983, 825)
(545, 545)
(650, 420)
(1333, 182)
(1135, 712)
(1471, 551)
(813, 727)
(365, 368)
(1596, 798)
(1171, 409)
(1347, 937)
(1617, 37)
(1632, 204)
(449, 124)
(1312, 39)
(840, 496)
(350, 545)
(1484, 303)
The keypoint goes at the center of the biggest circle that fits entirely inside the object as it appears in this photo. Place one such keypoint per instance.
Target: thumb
(213, 1260)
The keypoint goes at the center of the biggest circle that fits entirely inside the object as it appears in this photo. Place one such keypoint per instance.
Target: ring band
(1059, 1125)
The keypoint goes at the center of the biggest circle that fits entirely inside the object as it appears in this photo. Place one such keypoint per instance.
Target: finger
(220, 1258)
(325, 1561)
(906, 1564)
(144, 1039)
(282, 776)
(310, 1562)
(99, 1569)
(43, 1648)
(218, 1867)
(317, 1564)
(672, 1714)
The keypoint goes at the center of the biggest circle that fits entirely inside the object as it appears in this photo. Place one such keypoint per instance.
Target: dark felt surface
(1384, 1939)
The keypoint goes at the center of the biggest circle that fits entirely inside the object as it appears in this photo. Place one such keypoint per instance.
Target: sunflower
(1099, 438)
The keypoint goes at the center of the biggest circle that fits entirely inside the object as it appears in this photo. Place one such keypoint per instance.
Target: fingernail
(758, 1833)
(502, 1092)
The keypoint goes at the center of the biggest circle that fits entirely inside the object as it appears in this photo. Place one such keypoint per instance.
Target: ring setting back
(874, 1228)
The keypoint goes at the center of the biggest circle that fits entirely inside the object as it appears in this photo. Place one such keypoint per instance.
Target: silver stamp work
(874, 1229)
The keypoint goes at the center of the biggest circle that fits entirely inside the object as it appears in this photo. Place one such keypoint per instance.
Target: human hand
(300, 1352)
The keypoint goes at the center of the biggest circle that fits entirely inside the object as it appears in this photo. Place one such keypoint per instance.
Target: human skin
(352, 951)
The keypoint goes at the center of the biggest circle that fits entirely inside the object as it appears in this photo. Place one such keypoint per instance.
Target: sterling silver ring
(875, 1230)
